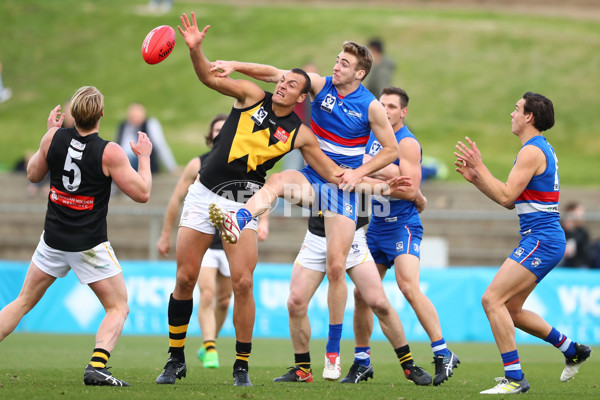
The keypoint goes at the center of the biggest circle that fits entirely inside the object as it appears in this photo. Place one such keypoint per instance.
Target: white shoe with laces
(333, 368)
(508, 386)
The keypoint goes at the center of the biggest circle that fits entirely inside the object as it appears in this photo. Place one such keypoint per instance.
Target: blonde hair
(362, 54)
(87, 105)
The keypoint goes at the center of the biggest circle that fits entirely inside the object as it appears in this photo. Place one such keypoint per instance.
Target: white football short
(313, 253)
(216, 258)
(89, 266)
(195, 209)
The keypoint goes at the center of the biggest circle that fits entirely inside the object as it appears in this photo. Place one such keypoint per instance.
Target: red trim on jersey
(332, 137)
(535, 195)
(74, 202)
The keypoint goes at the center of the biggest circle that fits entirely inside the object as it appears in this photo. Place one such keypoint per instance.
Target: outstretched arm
(307, 142)
(245, 92)
(262, 72)
(530, 161)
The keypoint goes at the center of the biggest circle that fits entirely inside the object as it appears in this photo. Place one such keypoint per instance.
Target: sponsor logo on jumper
(281, 134)
(74, 202)
(354, 114)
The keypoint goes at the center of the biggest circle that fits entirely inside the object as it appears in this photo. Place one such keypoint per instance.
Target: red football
(158, 44)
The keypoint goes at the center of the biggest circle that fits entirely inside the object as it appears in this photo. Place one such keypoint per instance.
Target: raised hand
(143, 147)
(470, 155)
(191, 35)
(55, 119)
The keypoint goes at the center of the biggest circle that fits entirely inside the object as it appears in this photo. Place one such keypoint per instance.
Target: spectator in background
(5, 93)
(579, 250)
(137, 120)
(382, 72)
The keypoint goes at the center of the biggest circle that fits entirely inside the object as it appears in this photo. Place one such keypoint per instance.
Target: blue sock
(362, 355)
(333, 343)
(439, 347)
(243, 217)
(512, 366)
(561, 342)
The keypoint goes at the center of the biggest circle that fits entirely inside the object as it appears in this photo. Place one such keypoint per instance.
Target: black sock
(242, 353)
(99, 358)
(180, 312)
(404, 356)
(303, 361)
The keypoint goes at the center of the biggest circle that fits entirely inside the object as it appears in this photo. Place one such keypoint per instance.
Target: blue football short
(329, 197)
(538, 256)
(387, 244)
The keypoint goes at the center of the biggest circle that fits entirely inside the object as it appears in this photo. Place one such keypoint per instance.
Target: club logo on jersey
(328, 103)
(399, 246)
(349, 208)
(73, 202)
(536, 262)
(391, 219)
(375, 148)
(259, 116)
(518, 252)
(281, 134)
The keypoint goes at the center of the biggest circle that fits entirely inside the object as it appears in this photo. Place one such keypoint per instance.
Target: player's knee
(336, 272)
(207, 295)
(359, 300)
(242, 285)
(380, 306)
(297, 306)
(409, 292)
(223, 302)
(487, 301)
(186, 281)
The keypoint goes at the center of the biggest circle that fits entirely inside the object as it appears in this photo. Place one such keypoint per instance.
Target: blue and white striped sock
(362, 355)
(512, 366)
(439, 347)
(561, 342)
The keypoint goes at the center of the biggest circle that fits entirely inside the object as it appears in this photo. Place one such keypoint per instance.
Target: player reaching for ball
(260, 129)
(533, 189)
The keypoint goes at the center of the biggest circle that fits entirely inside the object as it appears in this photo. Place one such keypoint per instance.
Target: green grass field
(34, 366)
(463, 68)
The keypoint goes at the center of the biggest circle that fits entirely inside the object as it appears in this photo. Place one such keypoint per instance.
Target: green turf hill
(463, 67)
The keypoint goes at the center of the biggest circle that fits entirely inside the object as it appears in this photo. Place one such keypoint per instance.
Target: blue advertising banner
(568, 299)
